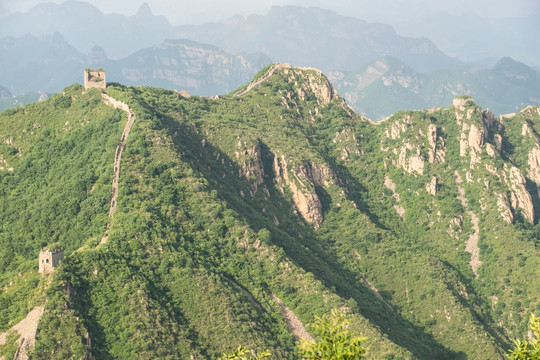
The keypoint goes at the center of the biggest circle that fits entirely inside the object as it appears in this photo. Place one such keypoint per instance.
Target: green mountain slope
(421, 227)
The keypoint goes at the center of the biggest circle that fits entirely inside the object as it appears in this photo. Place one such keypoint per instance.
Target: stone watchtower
(49, 259)
(94, 79)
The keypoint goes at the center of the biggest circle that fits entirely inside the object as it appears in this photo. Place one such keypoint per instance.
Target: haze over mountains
(191, 225)
(144, 49)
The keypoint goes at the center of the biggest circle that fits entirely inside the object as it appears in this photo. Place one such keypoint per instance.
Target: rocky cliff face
(278, 191)
(181, 64)
(301, 181)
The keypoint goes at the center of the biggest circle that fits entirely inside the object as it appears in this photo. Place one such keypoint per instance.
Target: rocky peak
(144, 11)
(97, 56)
(460, 102)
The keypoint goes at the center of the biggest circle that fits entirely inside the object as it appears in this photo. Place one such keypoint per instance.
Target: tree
(337, 341)
(525, 350)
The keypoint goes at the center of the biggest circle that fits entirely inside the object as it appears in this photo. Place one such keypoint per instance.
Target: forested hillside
(275, 198)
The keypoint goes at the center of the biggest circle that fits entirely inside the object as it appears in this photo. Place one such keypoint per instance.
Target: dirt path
(117, 156)
(293, 322)
(260, 80)
(26, 328)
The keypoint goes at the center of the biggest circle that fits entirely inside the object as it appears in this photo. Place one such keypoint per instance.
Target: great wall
(117, 156)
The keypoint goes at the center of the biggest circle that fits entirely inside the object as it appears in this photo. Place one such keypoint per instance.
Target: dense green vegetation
(225, 202)
(528, 349)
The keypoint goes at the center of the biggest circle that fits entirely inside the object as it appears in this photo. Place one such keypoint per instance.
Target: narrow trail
(27, 329)
(293, 322)
(117, 156)
(255, 84)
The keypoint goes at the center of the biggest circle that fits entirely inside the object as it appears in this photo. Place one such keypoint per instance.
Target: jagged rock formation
(252, 167)
(431, 187)
(520, 198)
(534, 166)
(284, 191)
(301, 181)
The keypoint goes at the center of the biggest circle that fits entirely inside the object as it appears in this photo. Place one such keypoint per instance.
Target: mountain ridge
(283, 190)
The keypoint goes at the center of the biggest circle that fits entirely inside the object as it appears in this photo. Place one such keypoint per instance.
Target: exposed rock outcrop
(497, 139)
(302, 181)
(534, 166)
(392, 187)
(431, 187)
(520, 198)
(459, 102)
(472, 138)
(504, 208)
(410, 162)
(432, 141)
(252, 167)
(293, 322)
(319, 85)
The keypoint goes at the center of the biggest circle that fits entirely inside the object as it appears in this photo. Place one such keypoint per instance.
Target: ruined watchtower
(49, 259)
(94, 79)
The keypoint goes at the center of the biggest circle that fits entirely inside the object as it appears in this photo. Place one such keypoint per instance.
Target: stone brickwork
(49, 259)
(94, 79)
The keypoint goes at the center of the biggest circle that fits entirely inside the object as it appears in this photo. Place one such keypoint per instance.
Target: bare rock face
(534, 165)
(491, 151)
(504, 208)
(349, 142)
(520, 196)
(455, 227)
(497, 138)
(321, 87)
(316, 83)
(252, 168)
(431, 187)
(301, 182)
(392, 187)
(398, 128)
(432, 141)
(459, 102)
(477, 137)
(526, 130)
(472, 138)
(410, 162)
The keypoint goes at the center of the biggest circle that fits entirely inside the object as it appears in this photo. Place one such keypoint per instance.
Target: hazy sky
(198, 11)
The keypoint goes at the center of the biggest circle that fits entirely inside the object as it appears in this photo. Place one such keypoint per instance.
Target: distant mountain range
(388, 85)
(49, 63)
(471, 37)
(84, 26)
(319, 38)
(376, 70)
